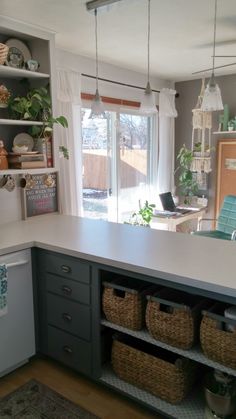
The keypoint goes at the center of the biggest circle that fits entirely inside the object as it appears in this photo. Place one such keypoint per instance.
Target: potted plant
(43, 136)
(187, 183)
(31, 107)
(36, 106)
(144, 216)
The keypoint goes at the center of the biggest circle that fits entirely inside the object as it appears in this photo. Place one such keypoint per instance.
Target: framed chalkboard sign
(39, 194)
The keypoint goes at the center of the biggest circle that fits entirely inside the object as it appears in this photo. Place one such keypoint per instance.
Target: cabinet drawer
(68, 288)
(65, 266)
(69, 316)
(69, 350)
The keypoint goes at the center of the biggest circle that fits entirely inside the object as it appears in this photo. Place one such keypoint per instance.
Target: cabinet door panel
(68, 288)
(69, 316)
(69, 350)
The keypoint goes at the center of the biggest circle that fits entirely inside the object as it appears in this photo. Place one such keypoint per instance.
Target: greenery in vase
(36, 106)
(144, 216)
(187, 183)
(31, 106)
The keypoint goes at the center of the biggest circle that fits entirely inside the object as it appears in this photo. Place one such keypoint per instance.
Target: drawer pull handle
(66, 290)
(67, 349)
(67, 317)
(66, 269)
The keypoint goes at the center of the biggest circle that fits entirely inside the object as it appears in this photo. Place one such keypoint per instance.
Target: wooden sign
(39, 196)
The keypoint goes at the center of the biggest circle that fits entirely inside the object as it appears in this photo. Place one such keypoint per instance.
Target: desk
(174, 220)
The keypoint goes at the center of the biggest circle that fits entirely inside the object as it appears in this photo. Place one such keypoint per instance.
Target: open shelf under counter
(19, 73)
(195, 353)
(192, 407)
(4, 121)
(22, 172)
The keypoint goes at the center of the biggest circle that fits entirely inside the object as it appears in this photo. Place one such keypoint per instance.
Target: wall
(189, 91)
(10, 202)
(86, 65)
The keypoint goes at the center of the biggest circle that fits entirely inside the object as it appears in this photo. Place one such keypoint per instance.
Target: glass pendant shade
(97, 107)
(148, 103)
(212, 100)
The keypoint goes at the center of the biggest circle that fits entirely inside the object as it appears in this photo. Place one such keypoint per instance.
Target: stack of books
(26, 161)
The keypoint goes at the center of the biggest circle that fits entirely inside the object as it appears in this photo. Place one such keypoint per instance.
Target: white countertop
(191, 260)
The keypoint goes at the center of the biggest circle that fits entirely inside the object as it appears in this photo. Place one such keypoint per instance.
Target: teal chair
(226, 223)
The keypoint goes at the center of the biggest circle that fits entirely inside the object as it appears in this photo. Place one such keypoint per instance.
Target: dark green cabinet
(65, 312)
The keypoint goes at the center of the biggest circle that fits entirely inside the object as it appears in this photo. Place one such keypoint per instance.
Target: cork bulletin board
(40, 198)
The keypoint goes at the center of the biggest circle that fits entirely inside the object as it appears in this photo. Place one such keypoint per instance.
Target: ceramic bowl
(20, 149)
(221, 405)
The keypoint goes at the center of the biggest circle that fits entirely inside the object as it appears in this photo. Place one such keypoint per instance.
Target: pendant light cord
(96, 43)
(148, 48)
(214, 41)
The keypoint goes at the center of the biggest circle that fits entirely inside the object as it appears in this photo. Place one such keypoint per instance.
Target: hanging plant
(187, 183)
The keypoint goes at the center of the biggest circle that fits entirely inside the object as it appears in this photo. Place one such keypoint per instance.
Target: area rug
(36, 401)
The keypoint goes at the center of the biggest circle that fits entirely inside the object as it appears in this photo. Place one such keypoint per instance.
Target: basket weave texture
(127, 311)
(218, 345)
(179, 328)
(170, 382)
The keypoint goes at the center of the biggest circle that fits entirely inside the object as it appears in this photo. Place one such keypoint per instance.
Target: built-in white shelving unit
(18, 73)
(19, 122)
(13, 172)
(41, 45)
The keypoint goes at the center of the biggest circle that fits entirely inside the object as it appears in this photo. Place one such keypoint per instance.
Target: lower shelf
(192, 407)
(195, 353)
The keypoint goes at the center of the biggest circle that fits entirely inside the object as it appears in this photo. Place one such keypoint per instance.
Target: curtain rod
(120, 83)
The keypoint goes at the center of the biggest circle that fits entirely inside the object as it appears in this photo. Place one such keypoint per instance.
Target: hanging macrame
(201, 137)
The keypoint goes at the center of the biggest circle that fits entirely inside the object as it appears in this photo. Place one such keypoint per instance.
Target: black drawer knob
(67, 349)
(66, 290)
(66, 269)
(67, 317)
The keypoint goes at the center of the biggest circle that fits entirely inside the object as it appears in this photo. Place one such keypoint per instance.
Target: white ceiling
(181, 32)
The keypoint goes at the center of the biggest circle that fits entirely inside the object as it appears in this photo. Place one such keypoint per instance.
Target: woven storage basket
(174, 317)
(3, 53)
(124, 305)
(169, 380)
(218, 344)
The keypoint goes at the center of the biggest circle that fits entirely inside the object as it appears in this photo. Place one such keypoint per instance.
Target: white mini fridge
(17, 335)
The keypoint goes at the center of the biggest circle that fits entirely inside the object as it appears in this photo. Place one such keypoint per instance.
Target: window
(119, 163)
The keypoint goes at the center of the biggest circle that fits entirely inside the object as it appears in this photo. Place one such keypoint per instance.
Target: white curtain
(167, 113)
(69, 105)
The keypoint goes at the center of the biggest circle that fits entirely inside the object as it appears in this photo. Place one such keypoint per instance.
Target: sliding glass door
(118, 169)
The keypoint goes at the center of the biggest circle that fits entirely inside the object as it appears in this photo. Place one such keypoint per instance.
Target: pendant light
(212, 100)
(148, 105)
(97, 107)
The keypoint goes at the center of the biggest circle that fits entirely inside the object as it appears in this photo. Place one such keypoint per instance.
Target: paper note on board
(230, 164)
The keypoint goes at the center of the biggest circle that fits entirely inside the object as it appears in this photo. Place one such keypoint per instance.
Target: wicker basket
(217, 343)
(124, 305)
(169, 379)
(3, 53)
(174, 317)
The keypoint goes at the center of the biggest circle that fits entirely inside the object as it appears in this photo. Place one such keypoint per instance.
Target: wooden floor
(93, 397)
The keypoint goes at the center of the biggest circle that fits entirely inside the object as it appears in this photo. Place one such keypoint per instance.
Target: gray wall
(189, 91)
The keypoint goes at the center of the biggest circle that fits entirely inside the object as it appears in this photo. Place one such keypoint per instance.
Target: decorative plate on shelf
(24, 139)
(18, 53)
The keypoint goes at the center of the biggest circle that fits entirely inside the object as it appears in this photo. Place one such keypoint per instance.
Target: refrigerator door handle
(18, 263)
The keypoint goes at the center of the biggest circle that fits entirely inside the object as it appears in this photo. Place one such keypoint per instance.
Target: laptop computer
(169, 205)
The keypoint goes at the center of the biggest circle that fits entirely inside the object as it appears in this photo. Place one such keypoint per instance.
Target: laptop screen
(167, 201)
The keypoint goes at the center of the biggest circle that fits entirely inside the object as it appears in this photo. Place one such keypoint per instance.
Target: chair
(226, 223)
